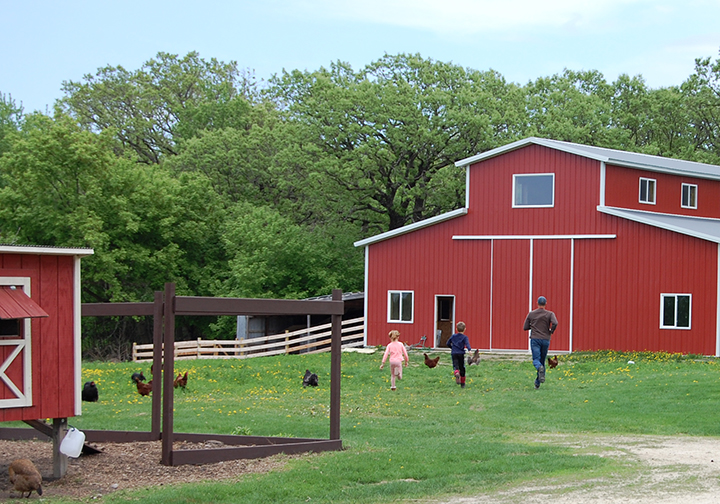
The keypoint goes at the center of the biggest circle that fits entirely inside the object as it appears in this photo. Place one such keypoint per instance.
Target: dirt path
(658, 470)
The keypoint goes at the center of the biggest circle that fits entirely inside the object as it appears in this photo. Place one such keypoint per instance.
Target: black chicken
(310, 379)
(90, 392)
(138, 376)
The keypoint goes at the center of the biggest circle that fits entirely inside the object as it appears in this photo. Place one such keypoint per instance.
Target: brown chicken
(475, 359)
(25, 477)
(144, 388)
(180, 381)
(431, 363)
(552, 362)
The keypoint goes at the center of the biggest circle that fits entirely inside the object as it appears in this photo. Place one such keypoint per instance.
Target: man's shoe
(541, 374)
(537, 384)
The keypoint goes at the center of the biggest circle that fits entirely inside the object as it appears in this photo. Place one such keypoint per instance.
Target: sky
(46, 42)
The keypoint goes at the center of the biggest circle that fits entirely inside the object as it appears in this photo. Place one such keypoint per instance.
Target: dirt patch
(661, 470)
(121, 466)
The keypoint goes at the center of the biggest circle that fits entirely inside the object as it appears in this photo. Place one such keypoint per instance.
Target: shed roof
(44, 250)
(699, 227)
(610, 156)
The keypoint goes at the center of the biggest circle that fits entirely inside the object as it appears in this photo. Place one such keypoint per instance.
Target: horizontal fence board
(309, 340)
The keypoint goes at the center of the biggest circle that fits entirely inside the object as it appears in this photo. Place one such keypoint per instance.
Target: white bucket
(72, 443)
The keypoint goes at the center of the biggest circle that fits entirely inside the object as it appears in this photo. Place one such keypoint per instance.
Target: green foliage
(380, 134)
(11, 118)
(148, 108)
(399, 445)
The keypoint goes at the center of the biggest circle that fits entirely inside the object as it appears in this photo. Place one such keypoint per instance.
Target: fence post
(287, 338)
(335, 371)
(168, 372)
(134, 352)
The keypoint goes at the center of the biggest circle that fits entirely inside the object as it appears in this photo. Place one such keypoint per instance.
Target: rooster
(144, 388)
(181, 380)
(552, 362)
(89, 392)
(431, 363)
(475, 359)
(310, 379)
(25, 477)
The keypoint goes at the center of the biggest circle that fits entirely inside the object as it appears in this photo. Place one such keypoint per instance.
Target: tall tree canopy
(377, 137)
(166, 99)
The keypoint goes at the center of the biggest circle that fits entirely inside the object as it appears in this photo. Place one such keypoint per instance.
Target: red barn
(40, 374)
(624, 246)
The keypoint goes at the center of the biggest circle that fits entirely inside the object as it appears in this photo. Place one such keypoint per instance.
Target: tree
(166, 99)
(63, 186)
(11, 117)
(372, 141)
(571, 107)
(702, 98)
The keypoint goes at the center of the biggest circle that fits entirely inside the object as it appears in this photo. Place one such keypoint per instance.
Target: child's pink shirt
(396, 350)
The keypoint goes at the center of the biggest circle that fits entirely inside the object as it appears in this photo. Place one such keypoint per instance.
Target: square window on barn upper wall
(647, 191)
(534, 190)
(689, 196)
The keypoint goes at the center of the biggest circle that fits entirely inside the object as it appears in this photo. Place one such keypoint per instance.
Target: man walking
(541, 323)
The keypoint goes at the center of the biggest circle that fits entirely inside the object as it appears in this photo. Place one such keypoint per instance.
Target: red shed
(624, 246)
(40, 347)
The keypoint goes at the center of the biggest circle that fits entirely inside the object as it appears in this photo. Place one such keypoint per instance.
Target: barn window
(400, 306)
(689, 196)
(675, 311)
(534, 190)
(647, 191)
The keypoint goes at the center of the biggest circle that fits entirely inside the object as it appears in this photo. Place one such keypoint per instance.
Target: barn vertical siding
(611, 284)
(625, 183)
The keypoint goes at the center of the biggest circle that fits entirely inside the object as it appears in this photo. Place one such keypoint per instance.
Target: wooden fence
(309, 340)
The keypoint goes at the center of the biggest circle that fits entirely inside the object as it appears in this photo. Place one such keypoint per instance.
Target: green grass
(428, 439)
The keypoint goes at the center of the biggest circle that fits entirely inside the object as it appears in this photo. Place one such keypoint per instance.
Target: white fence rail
(310, 340)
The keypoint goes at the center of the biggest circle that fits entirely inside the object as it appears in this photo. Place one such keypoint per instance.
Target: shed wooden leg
(60, 460)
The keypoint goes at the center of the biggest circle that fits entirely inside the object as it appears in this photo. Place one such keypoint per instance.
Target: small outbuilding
(40, 350)
(624, 246)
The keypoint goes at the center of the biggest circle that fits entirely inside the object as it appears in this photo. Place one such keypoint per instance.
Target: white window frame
(692, 196)
(648, 200)
(663, 296)
(21, 349)
(400, 307)
(523, 175)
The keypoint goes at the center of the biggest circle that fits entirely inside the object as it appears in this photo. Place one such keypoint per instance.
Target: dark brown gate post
(168, 372)
(157, 364)
(335, 373)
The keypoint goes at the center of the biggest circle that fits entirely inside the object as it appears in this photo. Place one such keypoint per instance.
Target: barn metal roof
(15, 304)
(609, 156)
(44, 250)
(699, 227)
(411, 227)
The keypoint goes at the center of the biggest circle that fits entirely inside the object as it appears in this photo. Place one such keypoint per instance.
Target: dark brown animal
(25, 477)
(144, 388)
(138, 376)
(552, 362)
(431, 363)
(475, 359)
(181, 380)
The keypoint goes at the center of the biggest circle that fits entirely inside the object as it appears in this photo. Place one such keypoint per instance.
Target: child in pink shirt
(396, 351)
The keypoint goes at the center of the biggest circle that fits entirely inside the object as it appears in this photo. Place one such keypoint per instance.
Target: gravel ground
(121, 466)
